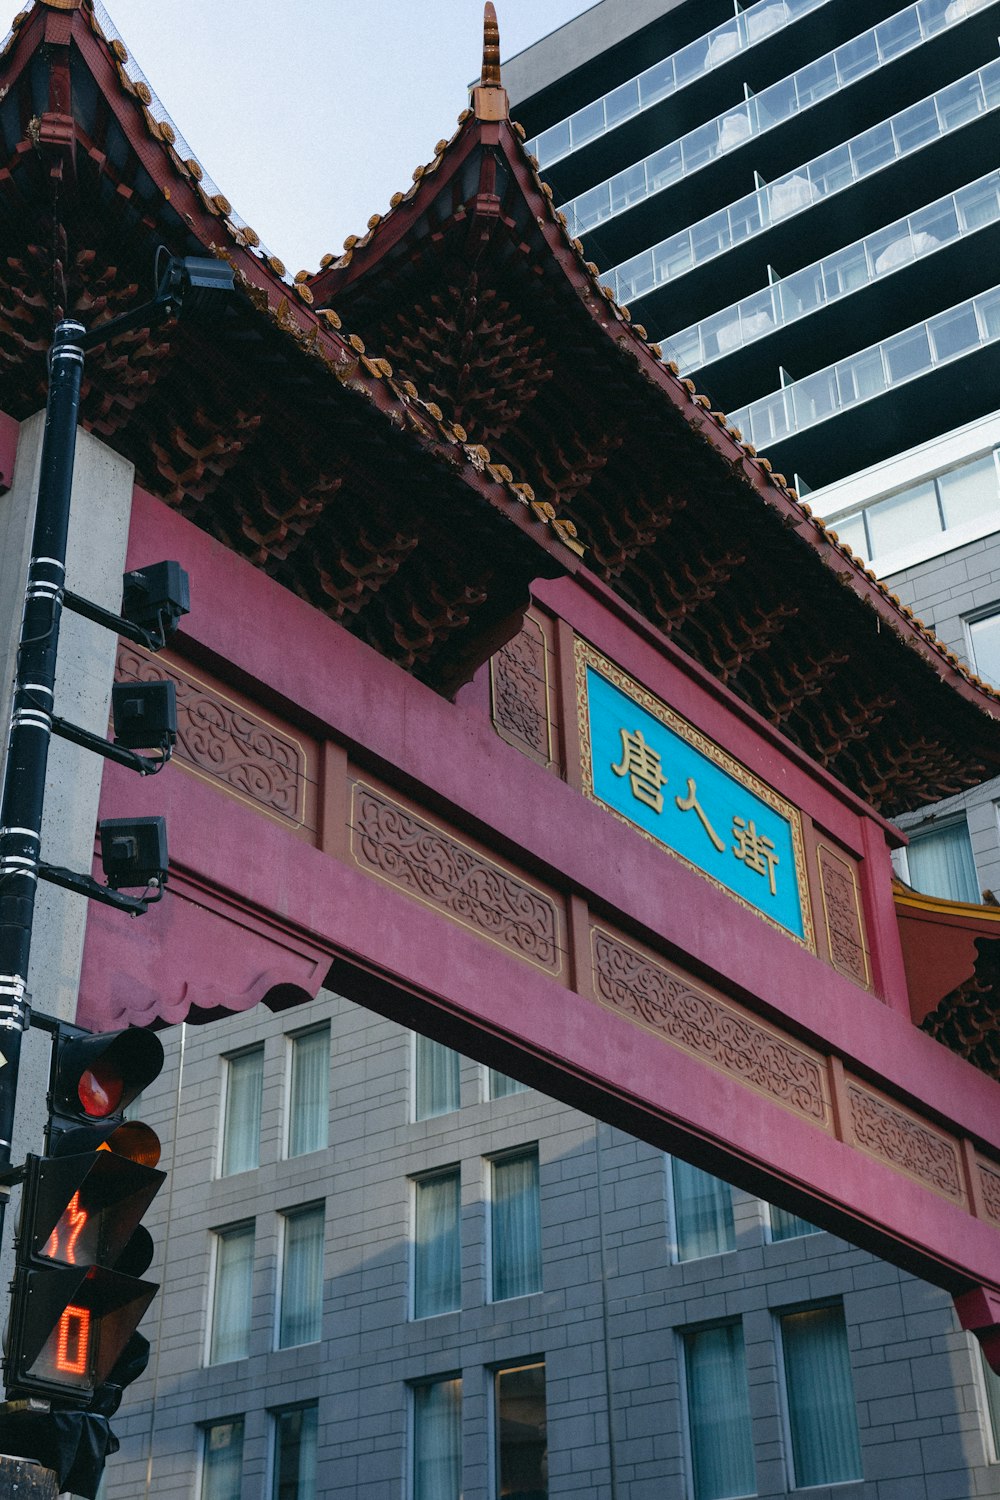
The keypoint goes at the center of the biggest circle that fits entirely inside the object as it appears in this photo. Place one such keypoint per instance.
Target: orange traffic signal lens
(136, 1141)
(100, 1090)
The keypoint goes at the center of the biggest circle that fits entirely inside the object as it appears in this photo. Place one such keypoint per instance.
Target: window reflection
(944, 502)
(837, 275)
(667, 76)
(905, 356)
(827, 174)
(522, 1442)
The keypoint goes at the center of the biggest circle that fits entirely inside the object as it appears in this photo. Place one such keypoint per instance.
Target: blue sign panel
(654, 769)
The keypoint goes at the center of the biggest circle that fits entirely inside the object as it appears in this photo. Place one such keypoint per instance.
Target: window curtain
(437, 1286)
(516, 1221)
(309, 1102)
(437, 1079)
(703, 1212)
(719, 1413)
(437, 1441)
(244, 1093)
(222, 1462)
(295, 1455)
(821, 1413)
(301, 1317)
(992, 1380)
(501, 1085)
(786, 1226)
(233, 1295)
(941, 863)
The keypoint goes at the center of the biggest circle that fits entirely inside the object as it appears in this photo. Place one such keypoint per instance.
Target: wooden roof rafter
(606, 361)
(99, 176)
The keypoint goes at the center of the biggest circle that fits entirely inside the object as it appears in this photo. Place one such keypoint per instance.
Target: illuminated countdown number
(73, 1341)
(67, 1349)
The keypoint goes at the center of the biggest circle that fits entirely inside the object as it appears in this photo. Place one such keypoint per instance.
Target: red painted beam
(259, 913)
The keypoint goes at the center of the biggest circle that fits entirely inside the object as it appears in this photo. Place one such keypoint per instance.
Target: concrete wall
(607, 1321)
(98, 534)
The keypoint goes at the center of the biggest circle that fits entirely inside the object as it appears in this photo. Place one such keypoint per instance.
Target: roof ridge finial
(491, 47)
(489, 97)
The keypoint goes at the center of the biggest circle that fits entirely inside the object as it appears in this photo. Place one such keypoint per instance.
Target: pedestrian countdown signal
(81, 1249)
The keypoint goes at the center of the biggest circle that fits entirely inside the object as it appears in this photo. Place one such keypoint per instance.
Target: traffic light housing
(81, 1250)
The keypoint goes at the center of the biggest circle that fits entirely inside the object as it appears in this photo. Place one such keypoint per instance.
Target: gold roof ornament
(489, 97)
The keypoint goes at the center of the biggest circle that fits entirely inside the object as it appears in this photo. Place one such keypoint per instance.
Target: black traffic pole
(31, 715)
(191, 281)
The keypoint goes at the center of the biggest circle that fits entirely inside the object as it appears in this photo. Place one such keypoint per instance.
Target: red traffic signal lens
(100, 1090)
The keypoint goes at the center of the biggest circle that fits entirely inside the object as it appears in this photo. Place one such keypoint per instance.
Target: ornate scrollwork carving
(520, 692)
(225, 741)
(428, 863)
(887, 1132)
(843, 916)
(690, 1018)
(989, 1178)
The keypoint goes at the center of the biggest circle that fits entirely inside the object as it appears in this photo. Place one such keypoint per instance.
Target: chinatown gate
(519, 701)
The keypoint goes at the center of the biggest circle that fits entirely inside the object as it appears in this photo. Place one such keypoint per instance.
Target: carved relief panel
(405, 848)
(522, 700)
(231, 743)
(840, 898)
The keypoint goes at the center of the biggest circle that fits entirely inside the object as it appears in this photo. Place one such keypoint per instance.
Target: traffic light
(78, 1291)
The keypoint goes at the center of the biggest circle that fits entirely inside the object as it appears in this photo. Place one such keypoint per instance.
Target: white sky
(310, 114)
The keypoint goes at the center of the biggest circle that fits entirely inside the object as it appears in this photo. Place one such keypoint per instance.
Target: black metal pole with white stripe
(31, 715)
(193, 281)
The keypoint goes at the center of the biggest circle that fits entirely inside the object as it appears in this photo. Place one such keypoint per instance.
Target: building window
(308, 1092)
(435, 1078)
(294, 1472)
(939, 862)
(437, 1285)
(718, 1411)
(300, 1317)
(437, 1440)
(786, 1226)
(522, 1458)
(500, 1085)
(959, 497)
(703, 1212)
(516, 1237)
(222, 1461)
(243, 1088)
(232, 1297)
(819, 1393)
(984, 641)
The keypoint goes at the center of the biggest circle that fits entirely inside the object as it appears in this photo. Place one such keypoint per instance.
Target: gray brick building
(586, 1370)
